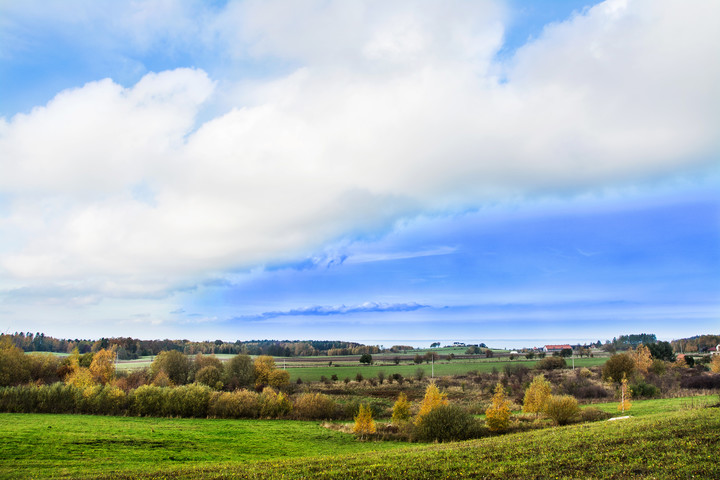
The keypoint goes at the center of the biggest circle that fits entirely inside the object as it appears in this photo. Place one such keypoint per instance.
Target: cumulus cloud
(388, 110)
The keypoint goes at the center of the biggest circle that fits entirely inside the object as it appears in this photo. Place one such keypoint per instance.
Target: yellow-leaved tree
(79, 376)
(102, 367)
(642, 358)
(624, 396)
(537, 395)
(497, 416)
(267, 374)
(364, 423)
(715, 363)
(401, 410)
(433, 399)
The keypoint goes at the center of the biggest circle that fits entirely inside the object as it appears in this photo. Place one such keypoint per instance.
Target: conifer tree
(401, 409)
(364, 423)
(433, 399)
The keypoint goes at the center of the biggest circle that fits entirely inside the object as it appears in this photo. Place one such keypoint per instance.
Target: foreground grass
(74, 446)
(683, 444)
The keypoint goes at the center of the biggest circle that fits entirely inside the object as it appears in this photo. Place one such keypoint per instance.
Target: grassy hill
(672, 438)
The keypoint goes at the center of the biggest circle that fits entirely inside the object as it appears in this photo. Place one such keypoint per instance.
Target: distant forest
(128, 348)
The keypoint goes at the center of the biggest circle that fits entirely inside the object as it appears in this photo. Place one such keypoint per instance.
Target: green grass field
(670, 438)
(72, 446)
(449, 368)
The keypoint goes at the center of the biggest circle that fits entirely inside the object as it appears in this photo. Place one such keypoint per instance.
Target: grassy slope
(68, 446)
(682, 444)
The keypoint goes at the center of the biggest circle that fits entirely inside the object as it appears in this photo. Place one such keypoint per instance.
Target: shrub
(593, 414)
(591, 391)
(446, 423)
(274, 404)
(419, 374)
(561, 409)
(237, 404)
(314, 406)
(358, 377)
(707, 382)
(149, 401)
(551, 363)
(642, 389)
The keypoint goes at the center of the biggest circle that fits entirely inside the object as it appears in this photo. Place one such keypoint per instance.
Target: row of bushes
(194, 400)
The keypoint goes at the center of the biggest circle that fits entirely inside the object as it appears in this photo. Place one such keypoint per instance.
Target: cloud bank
(383, 110)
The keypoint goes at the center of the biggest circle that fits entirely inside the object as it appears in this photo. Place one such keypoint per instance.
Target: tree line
(128, 348)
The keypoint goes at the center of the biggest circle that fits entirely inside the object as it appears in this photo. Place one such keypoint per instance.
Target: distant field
(312, 369)
(447, 368)
(670, 439)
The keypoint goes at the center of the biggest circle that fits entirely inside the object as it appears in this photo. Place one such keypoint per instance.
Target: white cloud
(392, 109)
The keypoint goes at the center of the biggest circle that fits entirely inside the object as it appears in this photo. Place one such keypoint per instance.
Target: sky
(507, 172)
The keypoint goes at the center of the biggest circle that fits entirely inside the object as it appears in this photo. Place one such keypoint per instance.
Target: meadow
(667, 438)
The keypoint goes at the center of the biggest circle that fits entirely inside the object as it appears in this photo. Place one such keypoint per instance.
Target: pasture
(669, 438)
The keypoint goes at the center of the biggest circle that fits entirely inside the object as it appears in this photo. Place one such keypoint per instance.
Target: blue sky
(381, 172)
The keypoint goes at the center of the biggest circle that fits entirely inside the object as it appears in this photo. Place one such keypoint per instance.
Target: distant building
(458, 344)
(717, 350)
(555, 348)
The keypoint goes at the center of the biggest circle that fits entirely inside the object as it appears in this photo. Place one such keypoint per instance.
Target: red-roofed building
(555, 348)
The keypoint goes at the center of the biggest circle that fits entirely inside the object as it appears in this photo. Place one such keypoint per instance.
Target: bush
(591, 391)
(149, 401)
(706, 382)
(274, 404)
(561, 409)
(642, 389)
(593, 414)
(188, 401)
(314, 406)
(446, 423)
(237, 404)
(551, 363)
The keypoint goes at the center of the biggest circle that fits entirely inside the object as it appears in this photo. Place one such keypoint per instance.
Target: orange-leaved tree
(102, 367)
(642, 358)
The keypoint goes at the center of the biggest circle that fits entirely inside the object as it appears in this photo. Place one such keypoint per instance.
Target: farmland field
(669, 438)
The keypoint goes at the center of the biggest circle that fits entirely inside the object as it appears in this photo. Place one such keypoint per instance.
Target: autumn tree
(624, 396)
(537, 395)
(401, 410)
(715, 363)
(240, 371)
(617, 366)
(174, 364)
(102, 367)
(642, 358)
(433, 399)
(267, 374)
(364, 423)
(13, 363)
(497, 416)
